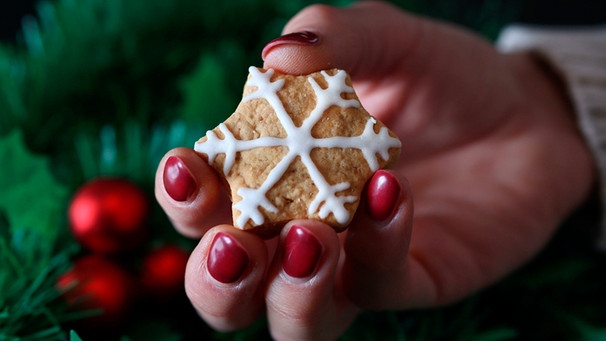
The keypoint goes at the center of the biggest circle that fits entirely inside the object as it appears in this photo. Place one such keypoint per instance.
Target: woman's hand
(490, 152)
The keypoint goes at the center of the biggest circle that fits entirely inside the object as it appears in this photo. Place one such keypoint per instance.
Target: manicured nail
(227, 260)
(382, 193)
(296, 38)
(302, 251)
(178, 181)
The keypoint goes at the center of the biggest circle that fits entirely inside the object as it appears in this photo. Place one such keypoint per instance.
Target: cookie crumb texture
(297, 147)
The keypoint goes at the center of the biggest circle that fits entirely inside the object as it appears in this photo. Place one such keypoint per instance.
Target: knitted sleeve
(578, 56)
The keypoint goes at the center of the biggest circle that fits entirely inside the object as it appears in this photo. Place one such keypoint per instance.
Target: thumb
(368, 38)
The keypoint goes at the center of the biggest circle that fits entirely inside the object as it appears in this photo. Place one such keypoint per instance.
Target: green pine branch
(30, 304)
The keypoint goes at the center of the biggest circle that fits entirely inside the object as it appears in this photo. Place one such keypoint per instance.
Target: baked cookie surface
(297, 147)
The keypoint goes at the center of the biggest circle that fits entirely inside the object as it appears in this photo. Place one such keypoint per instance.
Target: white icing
(299, 142)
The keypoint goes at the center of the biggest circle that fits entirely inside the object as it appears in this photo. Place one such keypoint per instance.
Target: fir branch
(12, 106)
(31, 308)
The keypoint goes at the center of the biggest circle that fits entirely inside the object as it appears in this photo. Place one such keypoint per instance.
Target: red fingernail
(302, 251)
(227, 260)
(178, 181)
(296, 38)
(382, 193)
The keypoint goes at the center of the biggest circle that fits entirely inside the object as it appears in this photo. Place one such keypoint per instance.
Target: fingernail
(302, 251)
(178, 181)
(382, 193)
(227, 260)
(296, 38)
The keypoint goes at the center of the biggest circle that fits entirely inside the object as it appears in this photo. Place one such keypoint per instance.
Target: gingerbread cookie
(297, 147)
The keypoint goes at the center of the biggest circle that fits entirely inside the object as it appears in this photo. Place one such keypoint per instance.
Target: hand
(490, 151)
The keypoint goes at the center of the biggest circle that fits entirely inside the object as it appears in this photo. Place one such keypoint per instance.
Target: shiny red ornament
(162, 273)
(97, 285)
(107, 215)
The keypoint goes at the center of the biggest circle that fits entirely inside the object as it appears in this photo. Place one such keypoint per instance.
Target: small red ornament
(95, 283)
(107, 215)
(163, 272)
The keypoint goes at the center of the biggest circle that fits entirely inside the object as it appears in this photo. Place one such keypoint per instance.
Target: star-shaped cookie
(297, 147)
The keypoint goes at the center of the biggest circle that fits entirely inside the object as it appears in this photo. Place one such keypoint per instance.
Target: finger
(347, 38)
(224, 278)
(190, 193)
(383, 48)
(401, 66)
(378, 272)
(304, 299)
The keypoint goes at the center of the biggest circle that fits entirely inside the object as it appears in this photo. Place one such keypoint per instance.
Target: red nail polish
(382, 194)
(302, 251)
(227, 260)
(178, 181)
(296, 38)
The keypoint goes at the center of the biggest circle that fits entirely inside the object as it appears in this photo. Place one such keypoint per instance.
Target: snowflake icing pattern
(299, 142)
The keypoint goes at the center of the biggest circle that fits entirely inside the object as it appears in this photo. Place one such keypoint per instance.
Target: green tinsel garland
(106, 87)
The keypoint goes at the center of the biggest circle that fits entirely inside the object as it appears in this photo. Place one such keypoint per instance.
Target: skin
(491, 155)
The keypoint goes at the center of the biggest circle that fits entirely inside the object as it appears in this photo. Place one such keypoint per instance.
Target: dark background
(11, 12)
(547, 12)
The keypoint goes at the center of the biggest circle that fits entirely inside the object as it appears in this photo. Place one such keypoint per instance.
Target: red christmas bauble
(163, 272)
(107, 215)
(95, 283)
